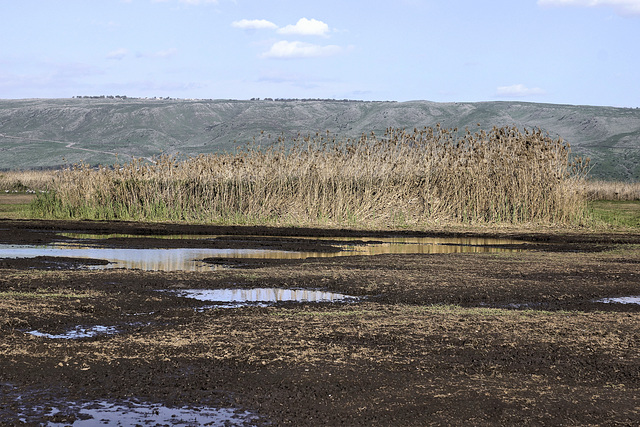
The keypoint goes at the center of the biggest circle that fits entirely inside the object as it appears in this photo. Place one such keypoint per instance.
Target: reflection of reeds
(403, 178)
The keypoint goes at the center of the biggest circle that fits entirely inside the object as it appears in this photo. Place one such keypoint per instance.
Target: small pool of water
(261, 296)
(102, 413)
(621, 300)
(190, 259)
(47, 407)
(79, 332)
(175, 259)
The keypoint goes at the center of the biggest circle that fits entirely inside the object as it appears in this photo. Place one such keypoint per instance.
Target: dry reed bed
(404, 178)
(21, 181)
(606, 190)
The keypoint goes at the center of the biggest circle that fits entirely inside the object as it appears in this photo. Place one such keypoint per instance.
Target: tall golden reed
(404, 178)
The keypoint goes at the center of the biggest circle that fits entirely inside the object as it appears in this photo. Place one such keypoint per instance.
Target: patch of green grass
(26, 275)
(15, 211)
(628, 251)
(482, 311)
(14, 205)
(427, 309)
(337, 313)
(623, 214)
(41, 295)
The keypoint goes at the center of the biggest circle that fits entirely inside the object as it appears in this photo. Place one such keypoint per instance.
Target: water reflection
(621, 300)
(473, 244)
(180, 259)
(241, 297)
(189, 259)
(79, 332)
(129, 413)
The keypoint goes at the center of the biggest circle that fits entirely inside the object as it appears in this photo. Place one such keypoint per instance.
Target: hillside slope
(51, 132)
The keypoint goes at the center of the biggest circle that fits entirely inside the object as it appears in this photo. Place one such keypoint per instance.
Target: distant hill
(38, 133)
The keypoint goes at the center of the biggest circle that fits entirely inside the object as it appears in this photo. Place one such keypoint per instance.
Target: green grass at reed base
(618, 214)
(600, 213)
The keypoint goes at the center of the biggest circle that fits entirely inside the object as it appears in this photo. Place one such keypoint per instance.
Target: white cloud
(159, 54)
(296, 80)
(623, 7)
(166, 53)
(194, 2)
(306, 27)
(254, 24)
(117, 54)
(517, 91)
(296, 49)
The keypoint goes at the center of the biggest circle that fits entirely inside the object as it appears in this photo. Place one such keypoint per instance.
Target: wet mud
(50, 263)
(434, 339)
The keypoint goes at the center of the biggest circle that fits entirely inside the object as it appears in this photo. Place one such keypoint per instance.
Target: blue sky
(557, 51)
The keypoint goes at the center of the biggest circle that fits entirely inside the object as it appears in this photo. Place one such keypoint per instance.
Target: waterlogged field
(538, 327)
(545, 335)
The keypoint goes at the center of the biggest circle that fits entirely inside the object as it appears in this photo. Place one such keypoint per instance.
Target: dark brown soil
(445, 339)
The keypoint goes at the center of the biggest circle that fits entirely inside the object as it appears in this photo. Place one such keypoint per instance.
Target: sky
(581, 52)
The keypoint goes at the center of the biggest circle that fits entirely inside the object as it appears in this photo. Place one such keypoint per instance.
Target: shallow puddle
(175, 259)
(47, 408)
(79, 332)
(189, 259)
(137, 414)
(261, 296)
(621, 300)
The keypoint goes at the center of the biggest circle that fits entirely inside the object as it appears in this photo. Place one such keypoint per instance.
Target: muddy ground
(440, 339)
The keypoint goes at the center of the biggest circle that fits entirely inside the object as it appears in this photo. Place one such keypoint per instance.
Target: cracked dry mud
(440, 339)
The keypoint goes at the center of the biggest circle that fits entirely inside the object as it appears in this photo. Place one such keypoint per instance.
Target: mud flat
(532, 336)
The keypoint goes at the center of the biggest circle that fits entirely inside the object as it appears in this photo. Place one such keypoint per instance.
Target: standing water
(190, 259)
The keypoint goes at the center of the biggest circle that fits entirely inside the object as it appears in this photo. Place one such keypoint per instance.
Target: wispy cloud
(285, 49)
(306, 27)
(47, 78)
(193, 2)
(297, 49)
(254, 24)
(297, 80)
(117, 54)
(120, 54)
(151, 86)
(165, 53)
(518, 91)
(623, 7)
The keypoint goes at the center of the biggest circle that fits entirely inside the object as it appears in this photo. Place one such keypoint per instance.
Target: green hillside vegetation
(42, 133)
